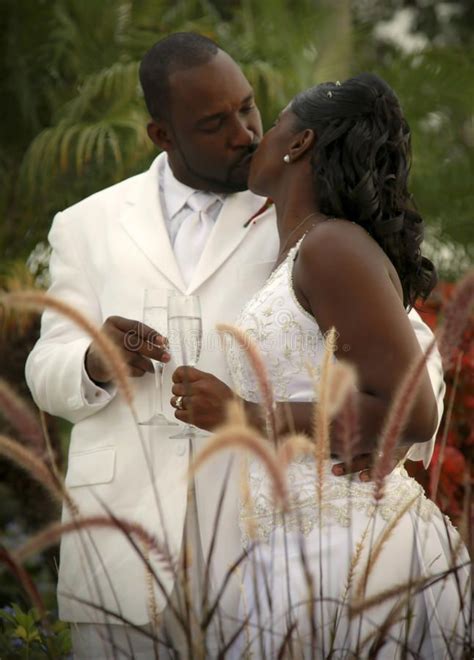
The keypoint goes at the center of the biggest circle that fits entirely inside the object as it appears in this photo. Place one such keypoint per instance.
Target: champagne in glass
(155, 315)
(185, 337)
(186, 334)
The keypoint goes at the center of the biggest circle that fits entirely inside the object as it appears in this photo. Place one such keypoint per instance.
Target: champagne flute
(185, 338)
(155, 315)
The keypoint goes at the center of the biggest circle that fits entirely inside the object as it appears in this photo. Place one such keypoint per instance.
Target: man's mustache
(253, 147)
(249, 151)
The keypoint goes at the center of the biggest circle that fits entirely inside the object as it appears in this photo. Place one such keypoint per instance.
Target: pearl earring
(286, 158)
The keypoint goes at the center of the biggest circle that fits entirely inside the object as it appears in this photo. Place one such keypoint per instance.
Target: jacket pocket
(94, 466)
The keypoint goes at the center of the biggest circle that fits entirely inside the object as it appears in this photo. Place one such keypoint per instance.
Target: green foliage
(75, 120)
(436, 89)
(23, 635)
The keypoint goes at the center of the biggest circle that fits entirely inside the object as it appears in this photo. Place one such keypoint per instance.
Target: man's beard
(218, 185)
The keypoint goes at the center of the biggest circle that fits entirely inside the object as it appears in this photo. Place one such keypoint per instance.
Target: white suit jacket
(106, 250)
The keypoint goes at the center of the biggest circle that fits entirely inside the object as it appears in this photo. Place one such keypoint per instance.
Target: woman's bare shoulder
(338, 241)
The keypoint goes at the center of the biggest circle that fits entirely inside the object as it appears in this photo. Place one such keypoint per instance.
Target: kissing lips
(244, 162)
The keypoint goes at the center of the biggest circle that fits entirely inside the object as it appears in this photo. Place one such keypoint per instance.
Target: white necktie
(193, 234)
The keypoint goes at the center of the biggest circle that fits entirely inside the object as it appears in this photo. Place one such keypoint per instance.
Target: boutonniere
(253, 219)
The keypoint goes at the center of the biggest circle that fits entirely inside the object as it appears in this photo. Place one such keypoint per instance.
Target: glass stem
(158, 367)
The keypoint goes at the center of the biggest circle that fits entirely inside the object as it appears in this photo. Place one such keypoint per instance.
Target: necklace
(300, 224)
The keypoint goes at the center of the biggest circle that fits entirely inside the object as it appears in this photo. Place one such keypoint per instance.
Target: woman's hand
(364, 464)
(199, 398)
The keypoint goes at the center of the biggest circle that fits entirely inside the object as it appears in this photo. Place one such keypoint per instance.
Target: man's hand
(138, 344)
(364, 465)
(204, 398)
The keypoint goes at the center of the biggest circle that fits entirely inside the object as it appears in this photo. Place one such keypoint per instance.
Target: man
(183, 225)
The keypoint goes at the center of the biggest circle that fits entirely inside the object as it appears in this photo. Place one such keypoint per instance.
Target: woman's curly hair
(361, 162)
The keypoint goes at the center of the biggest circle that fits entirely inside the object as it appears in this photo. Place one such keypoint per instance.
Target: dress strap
(293, 253)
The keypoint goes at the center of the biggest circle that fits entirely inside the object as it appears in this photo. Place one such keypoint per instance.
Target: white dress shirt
(174, 197)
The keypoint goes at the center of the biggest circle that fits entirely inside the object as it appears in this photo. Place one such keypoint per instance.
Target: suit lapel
(226, 235)
(143, 221)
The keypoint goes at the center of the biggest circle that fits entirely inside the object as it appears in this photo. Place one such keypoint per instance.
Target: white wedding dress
(306, 567)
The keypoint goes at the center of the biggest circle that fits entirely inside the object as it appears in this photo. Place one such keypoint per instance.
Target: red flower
(451, 438)
(468, 401)
(451, 479)
(457, 456)
(468, 357)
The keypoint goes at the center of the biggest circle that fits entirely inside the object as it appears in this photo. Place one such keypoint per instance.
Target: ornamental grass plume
(50, 535)
(342, 382)
(436, 471)
(376, 549)
(235, 413)
(321, 424)
(343, 408)
(456, 316)
(247, 503)
(25, 580)
(35, 467)
(109, 351)
(359, 606)
(244, 438)
(16, 322)
(321, 410)
(297, 444)
(396, 420)
(233, 568)
(152, 605)
(347, 427)
(53, 465)
(20, 416)
(260, 371)
(356, 559)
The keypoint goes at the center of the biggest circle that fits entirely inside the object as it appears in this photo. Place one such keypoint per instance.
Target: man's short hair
(182, 50)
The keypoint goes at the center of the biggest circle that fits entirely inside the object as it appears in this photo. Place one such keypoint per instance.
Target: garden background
(74, 121)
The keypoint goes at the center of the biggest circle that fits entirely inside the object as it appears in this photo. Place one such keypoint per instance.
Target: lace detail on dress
(290, 342)
(339, 498)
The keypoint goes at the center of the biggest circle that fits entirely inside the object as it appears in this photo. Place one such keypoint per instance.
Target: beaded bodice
(287, 337)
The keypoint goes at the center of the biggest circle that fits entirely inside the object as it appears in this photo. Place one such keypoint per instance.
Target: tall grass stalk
(396, 420)
(19, 414)
(35, 467)
(336, 403)
(51, 534)
(109, 351)
(255, 359)
(321, 438)
(245, 438)
(456, 316)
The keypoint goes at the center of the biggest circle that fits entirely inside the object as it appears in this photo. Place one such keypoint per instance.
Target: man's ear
(301, 143)
(160, 134)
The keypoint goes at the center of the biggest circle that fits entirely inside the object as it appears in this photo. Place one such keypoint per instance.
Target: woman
(336, 165)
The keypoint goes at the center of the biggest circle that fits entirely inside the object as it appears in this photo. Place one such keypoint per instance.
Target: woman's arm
(344, 280)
